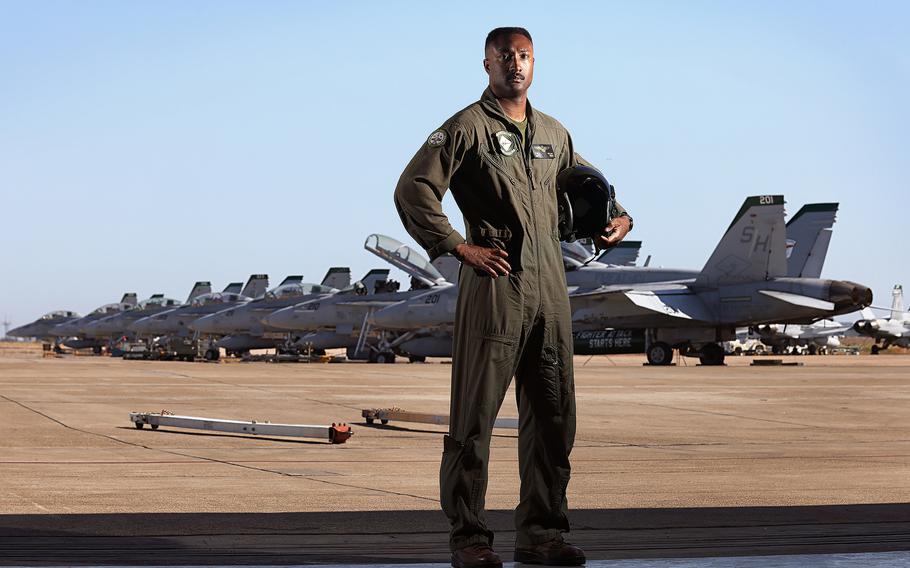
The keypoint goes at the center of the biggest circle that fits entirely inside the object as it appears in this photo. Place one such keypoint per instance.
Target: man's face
(510, 64)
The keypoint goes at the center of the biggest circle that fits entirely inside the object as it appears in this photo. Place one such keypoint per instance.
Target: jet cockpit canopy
(217, 298)
(295, 289)
(59, 314)
(404, 257)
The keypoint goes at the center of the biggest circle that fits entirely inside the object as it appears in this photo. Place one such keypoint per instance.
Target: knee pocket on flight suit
(554, 373)
(461, 459)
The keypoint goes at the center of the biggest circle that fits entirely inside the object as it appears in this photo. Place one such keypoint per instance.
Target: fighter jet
(744, 283)
(175, 322)
(118, 325)
(242, 325)
(342, 319)
(78, 337)
(817, 337)
(41, 327)
(894, 330)
(724, 291)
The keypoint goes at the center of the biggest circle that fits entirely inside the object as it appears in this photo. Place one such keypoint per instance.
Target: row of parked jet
(763, 274)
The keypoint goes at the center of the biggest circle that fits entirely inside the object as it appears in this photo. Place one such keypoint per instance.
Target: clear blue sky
(148, 144)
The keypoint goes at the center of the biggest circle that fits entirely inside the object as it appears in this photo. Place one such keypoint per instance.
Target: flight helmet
(584, 200)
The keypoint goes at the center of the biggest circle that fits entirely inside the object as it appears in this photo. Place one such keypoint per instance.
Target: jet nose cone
(21, 331)
(849, 296)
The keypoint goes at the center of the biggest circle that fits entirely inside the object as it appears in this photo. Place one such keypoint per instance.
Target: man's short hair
(497, 33)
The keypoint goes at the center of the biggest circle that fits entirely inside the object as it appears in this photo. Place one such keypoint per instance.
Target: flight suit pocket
(494, 162)
(500, 351)
(493, 238)
(551, 376)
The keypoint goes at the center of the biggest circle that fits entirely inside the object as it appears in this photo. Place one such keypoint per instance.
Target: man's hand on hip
(615, 232)
(491, 261)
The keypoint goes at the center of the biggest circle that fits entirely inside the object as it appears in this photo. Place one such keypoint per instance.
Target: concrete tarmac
(682, 461)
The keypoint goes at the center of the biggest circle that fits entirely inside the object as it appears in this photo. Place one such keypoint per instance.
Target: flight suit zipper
(525, 152)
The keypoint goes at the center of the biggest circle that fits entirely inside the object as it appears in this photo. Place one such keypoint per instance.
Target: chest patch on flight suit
(543, 151)
(506, 142)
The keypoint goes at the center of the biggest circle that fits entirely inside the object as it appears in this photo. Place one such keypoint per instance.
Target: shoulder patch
(437, 138)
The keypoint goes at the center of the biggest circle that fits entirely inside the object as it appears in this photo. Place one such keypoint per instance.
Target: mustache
(515, 76)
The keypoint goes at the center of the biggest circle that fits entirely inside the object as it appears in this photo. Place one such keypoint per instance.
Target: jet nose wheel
(660, 353)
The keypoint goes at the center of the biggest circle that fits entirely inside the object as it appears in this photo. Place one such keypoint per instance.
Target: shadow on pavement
(365, 537)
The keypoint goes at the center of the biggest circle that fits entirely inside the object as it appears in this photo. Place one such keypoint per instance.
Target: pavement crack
(213, 460)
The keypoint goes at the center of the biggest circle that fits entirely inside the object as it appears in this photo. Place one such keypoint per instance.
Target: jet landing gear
(659, 353)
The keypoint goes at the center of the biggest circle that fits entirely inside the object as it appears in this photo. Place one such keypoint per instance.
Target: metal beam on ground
(385, 415)
(336, 433)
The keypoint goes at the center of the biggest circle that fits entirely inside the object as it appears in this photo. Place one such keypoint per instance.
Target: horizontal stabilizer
(799, 300)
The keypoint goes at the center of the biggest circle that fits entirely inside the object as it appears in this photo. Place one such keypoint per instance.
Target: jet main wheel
(874, 350)
(211, 355)
(712, 354)
(385, 357)
(417, 359)
(660, 353)
(813, 349)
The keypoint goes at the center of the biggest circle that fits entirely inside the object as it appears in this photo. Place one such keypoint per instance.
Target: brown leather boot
(476, 556)
(556, 552)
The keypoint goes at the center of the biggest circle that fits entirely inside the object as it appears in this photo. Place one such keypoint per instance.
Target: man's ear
(486, 65)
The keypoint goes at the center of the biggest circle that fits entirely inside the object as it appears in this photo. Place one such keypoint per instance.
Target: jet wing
(639, 306)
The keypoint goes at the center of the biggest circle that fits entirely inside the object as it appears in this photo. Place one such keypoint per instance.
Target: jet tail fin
(295, 279)
(448, 266)
(623, 254)
(810, 232)
(897, 303)
(338, 277)
(130, 299)
(199, 288)
(753, 247)
(233, 288)
(374, 277)
(255, 286)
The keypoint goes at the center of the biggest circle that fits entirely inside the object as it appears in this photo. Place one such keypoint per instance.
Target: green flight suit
(517, 325)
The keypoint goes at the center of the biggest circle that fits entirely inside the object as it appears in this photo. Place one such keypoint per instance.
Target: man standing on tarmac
(500, 159)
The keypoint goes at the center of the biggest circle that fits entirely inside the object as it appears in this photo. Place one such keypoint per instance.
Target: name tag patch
(543, 151)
